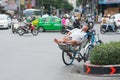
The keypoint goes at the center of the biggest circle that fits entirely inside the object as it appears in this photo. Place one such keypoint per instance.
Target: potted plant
(104, 59)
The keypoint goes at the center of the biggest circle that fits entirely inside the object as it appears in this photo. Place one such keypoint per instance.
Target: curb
(101, 69)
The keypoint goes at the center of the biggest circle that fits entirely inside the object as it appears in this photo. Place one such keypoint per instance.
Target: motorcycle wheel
(34, 32)
(63, 31)
(13, 30)
(103, 31)
(20, 31)
(118, 31)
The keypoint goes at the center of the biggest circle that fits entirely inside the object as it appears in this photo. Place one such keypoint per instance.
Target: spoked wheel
(68, 58)
(35, 32)
(87, 52)
(20, 31)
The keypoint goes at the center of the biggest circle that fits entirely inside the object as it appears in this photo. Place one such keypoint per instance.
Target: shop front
(108, 7)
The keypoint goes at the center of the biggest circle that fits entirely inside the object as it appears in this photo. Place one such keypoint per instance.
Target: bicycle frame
(94, 38)
(82, 52)
(78, 53)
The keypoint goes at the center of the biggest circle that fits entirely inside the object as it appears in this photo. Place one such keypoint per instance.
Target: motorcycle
(15, 27)
(103, 29)
(29, 28)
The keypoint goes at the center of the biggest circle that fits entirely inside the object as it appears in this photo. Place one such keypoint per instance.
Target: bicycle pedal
(78, 59)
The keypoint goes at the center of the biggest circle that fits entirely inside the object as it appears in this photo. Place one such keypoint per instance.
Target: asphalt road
(31, 57)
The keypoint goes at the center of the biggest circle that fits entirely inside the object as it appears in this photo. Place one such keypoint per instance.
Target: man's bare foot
(56, 41)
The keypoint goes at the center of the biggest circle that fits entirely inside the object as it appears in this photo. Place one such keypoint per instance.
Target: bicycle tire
(87, 52)
(70, 57)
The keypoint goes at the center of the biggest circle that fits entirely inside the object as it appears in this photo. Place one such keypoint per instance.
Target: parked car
(5, 21)
(116, 19)
(49, 23)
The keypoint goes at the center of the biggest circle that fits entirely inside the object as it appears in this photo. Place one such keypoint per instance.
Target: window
(55, 20)
(46, 19)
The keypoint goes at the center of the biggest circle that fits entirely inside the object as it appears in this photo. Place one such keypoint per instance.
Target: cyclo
(81, 51)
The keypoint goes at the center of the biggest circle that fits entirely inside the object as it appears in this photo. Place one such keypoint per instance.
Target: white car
(116, 18)
(5, 21)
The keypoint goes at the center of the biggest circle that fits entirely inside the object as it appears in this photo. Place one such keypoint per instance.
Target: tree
(67, 6)
(55, 3)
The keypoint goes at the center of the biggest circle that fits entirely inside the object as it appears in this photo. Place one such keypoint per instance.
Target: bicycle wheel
(68, 58)
(87, 52)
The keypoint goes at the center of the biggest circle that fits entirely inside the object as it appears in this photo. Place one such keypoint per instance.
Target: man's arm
(67, 34)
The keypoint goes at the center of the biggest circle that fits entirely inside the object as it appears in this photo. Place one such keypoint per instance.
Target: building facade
(109, 6)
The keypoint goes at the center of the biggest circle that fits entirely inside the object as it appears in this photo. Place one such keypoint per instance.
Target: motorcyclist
(76, 23)
(89, 18)
(67, 21)
(27, 22)
(107, 22)
(63, 20)
(111, 23)
(14, 20)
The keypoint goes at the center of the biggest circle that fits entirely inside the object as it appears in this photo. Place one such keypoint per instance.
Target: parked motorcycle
(29, 28)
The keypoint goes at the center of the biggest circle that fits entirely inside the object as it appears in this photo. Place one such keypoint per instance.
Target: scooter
(29, 28)
(15, 27)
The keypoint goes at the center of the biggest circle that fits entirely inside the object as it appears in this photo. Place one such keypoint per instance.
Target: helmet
(67, 15)
(108, 15)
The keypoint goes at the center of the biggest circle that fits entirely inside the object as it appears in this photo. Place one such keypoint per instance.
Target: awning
(109, 2)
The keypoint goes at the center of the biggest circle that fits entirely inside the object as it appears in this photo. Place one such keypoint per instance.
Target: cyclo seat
(65, 47)
(71, 48)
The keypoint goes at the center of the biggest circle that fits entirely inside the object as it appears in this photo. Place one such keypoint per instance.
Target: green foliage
(68, 6)
(106, 54)
(55, 3)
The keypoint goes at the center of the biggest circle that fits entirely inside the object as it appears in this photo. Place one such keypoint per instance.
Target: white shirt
(67, 22)
(77, 34)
